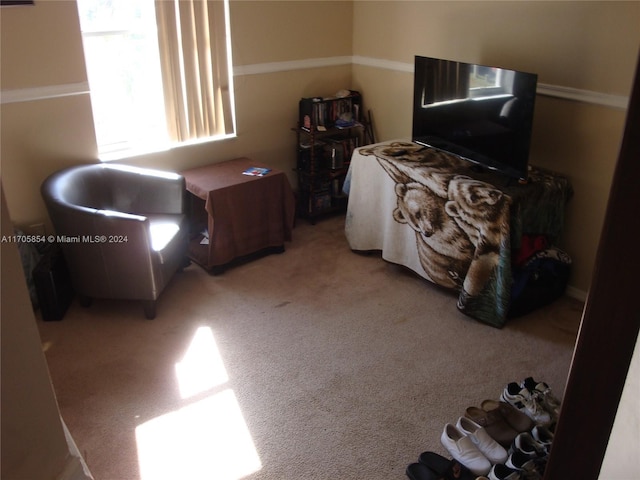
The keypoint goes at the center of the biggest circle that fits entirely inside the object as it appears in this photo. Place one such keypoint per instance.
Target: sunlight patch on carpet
(208, 438)
(201, 368)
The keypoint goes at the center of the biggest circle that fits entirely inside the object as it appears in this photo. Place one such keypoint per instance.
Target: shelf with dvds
(328, 131)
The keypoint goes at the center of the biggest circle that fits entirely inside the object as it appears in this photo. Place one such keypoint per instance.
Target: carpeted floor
(318, 363)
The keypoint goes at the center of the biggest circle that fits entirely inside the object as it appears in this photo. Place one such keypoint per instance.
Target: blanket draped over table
(450, 223)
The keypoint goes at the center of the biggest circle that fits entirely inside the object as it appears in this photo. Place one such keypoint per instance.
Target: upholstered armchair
(122, 229)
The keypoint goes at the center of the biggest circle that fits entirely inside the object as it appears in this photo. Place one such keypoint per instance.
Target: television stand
(495, 177)
(456, 227)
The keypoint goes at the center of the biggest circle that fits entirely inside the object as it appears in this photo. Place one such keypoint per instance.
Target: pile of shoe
(508, 439)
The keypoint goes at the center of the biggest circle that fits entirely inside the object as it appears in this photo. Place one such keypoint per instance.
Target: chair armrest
(125, 231)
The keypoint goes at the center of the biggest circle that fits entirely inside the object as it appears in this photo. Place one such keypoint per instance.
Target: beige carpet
(318, 363)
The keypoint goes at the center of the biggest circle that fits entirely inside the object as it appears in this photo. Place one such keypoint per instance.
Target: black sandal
(444, 468)
(418, 471)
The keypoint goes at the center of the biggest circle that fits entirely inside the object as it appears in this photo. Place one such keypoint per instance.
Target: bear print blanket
(452, 225)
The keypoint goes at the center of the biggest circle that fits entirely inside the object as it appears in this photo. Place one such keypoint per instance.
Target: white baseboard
(75, 467)
(576, 293)
(73, 470)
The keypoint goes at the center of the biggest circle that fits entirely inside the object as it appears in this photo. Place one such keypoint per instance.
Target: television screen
(481, 113)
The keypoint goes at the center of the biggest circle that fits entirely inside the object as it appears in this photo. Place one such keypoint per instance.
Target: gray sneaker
(522, 399)
(543, 395)
(543, 436)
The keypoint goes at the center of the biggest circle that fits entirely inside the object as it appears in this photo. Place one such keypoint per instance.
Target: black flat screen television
(481, 113)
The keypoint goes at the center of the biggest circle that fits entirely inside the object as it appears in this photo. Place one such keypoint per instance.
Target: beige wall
(588, 46)
(277, 31)
(41, 46)
(579, 44)
(33, 438)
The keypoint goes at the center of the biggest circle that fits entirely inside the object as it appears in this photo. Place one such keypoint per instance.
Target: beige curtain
(195, 76)
(451, 81)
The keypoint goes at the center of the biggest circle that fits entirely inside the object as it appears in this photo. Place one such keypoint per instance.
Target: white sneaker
(491, 449)
(502, 472)
(462, 449)
(529, 468)
(528, 445)
(522, 399)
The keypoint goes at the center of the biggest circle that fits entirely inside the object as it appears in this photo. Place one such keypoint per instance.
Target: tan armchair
(122, 229)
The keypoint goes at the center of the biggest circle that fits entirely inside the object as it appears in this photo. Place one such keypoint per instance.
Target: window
(490, 82)
(159, 72)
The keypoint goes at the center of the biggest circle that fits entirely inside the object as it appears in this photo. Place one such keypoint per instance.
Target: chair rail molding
(548, 90)
(43, 93)
(275, 67)
(585, 96)
(556, 91)
(383, 63)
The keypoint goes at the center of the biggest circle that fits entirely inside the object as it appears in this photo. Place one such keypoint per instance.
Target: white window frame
(129, 147)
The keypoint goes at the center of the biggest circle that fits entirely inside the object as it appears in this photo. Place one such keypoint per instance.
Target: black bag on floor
(542, 279)
(53, 284)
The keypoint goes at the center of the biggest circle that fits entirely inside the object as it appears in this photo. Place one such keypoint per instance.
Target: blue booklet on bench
(256, 171)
